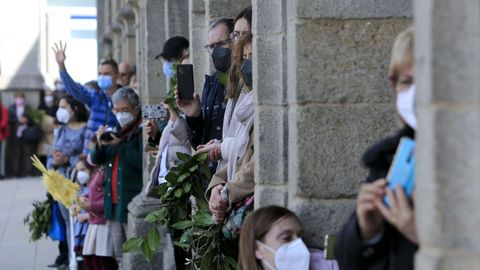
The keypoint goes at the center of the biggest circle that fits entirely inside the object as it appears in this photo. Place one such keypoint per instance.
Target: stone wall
(323, 96)
(448, 99)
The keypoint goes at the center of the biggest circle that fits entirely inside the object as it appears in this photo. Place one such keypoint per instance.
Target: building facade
(323, 96)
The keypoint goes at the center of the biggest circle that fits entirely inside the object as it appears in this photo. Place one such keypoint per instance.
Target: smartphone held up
(185, 81)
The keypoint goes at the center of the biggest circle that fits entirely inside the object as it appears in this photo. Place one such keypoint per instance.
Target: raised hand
(59, 50)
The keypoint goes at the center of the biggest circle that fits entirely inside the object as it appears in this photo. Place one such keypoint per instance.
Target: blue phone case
(402, 170)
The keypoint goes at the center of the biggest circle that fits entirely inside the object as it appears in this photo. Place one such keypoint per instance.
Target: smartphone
(402, 170)
(154, 111)
(329, 244)
(185, 81)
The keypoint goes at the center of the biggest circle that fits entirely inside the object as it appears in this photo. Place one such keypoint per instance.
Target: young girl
(271, 239)
(81, 175)
(97, 248)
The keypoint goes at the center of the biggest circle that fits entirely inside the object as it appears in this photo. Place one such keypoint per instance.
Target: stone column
(126, 19)
(198, 39)
(176, 18)
(101, 14)
(271, 119)
(151, 33)
(448, 106)
(324, 97)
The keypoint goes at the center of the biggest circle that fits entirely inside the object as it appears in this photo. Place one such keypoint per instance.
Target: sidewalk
(16, 251)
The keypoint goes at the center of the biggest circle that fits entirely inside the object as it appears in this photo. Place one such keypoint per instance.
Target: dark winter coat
(393, 251)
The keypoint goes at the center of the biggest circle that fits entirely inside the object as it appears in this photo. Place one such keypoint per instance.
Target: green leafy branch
(38, 220)
(186, 183)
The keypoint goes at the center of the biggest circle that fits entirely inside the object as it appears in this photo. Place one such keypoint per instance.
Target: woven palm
(62, 189)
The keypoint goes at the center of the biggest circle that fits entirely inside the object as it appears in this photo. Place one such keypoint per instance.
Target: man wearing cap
(205, 118)
(174, 51)
(99, 102)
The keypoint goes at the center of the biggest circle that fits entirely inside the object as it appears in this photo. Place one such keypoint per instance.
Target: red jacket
(4, 132)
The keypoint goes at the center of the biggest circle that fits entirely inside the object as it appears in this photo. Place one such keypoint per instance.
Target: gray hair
(226, 21)
(128, 94)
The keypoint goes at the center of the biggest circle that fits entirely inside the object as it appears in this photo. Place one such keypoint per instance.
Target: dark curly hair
(79, 110)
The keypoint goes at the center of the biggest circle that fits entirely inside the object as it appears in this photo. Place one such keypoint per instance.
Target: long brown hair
(255, 227)
(235, 81)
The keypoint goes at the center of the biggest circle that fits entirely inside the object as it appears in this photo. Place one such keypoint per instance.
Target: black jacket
(393, 251)
(209, 124)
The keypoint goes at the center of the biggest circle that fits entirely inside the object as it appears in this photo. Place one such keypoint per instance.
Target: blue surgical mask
(168, 69)
(104, 82)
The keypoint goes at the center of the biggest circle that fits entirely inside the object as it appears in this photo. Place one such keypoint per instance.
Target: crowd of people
(94, 137)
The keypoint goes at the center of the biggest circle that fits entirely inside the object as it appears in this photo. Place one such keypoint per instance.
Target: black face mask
(221, 58)
(247, 72)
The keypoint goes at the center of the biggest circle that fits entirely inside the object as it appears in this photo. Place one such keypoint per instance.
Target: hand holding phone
(402, 170)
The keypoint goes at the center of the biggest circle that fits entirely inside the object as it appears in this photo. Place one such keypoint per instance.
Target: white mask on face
(63, 115)
(292, 255)
(124, 118)
(83, 177)
(49, 100)
(405, 106)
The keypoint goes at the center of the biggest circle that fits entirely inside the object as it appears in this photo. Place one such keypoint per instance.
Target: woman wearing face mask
(67, 144)
(68, 139)
(233, 183)
(50, 107)
(271, 239)
(377, 237)
(121, 151)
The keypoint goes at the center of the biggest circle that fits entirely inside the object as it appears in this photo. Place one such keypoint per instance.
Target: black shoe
(53, 265)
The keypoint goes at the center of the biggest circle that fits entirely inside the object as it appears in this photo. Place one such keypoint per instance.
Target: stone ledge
(347, 9)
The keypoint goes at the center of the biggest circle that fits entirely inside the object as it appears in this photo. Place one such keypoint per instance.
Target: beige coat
(243, 183)
(47, 126)
(175, 135)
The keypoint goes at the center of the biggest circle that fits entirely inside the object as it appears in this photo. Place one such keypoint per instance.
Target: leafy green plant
(35, 115)
(170, 99)
(38, 220)
(186, 182)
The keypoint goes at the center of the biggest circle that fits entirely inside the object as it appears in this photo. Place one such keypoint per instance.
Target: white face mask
(83, 177)
(63, 115)
(292, 255)
(406, 106)
(124, 118)
(48, 100)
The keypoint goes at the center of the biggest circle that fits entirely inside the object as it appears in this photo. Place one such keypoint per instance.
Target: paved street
(16, 251)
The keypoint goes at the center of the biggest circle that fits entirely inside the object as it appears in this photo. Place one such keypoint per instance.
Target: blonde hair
(402, 53)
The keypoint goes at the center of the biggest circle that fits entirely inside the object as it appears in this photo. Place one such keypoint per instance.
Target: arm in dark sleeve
(195, 134)
(156, 140)
(99, 154)
(352, 253)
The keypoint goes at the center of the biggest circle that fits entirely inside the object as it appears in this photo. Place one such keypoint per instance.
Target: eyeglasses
(238, 34)
(220, 43)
